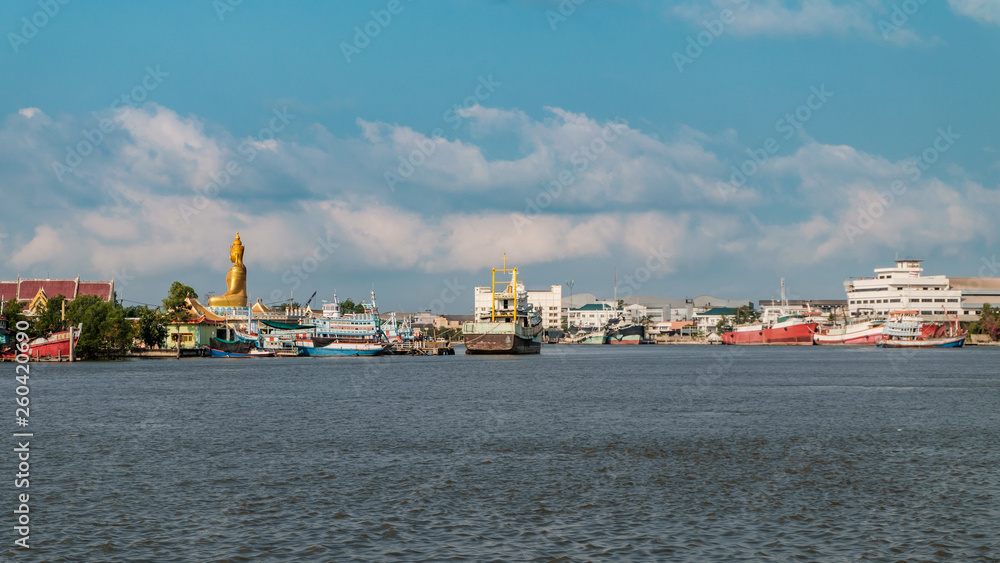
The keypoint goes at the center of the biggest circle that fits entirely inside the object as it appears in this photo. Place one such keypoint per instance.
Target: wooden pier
(422, 348)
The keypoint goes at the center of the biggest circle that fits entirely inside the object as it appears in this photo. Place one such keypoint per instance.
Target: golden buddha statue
(236, 280)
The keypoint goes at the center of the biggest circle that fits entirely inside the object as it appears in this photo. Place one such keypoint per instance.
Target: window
(926, 313)
(953, 301)
(939, 300)
(187, 337)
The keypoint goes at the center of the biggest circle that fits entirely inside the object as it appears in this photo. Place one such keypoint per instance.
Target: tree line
(110, 330)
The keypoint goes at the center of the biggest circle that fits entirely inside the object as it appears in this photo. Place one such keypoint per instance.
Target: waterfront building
(706, 321)
(904, 287)
(194, 334)
(548, 302)
(592, 315)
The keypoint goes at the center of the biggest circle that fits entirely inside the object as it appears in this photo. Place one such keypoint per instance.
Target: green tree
(746, 314)
(14, 311)
(988, 323)
(50, 319)
(347, 306)
(722, 325)
(106, 332)
(152, 330)
(174, 304)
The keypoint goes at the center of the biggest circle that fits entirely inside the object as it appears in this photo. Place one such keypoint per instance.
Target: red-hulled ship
(777, 326)
(54, 345)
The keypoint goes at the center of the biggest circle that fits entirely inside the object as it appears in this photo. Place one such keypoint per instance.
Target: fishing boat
(336, 334)
(860, 333)
(905, 329)
(778, 326)
(598, 336)
(54, 345)
(620, 331)
(511, 325)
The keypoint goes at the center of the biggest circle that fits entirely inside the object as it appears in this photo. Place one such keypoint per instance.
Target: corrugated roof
(8, 290)
(717, 311)
(594, 307)
(100, 289)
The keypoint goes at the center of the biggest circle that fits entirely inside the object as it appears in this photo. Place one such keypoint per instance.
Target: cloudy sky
(698, 147)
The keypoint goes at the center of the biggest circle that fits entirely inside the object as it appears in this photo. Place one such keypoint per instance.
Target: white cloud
(984, 11)
(29, 112)
(798, 18)
(122, 208)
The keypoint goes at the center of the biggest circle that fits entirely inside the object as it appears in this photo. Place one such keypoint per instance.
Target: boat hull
(624, 339)
(953, 342)
(631, 334)
(217, 353)
(500, 344)
(794, 335)
(307, 348)
(501, 338)
(865, 337)
(54, 345)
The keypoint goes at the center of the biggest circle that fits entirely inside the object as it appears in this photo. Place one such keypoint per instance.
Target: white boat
(862, 333)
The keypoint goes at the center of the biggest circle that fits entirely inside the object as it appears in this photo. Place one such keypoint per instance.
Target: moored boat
(861, 333)
(620, 331)
(335, 334)
(778, 326)
(905, 329)
(54, 345)
(512, 325)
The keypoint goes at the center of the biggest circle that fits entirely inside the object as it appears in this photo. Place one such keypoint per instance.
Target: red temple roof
(8, 290)
(26, 289)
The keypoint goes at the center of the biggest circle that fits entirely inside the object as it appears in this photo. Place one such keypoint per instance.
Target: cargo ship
(511, 325)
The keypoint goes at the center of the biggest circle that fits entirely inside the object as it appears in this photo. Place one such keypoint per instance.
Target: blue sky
(492, 103)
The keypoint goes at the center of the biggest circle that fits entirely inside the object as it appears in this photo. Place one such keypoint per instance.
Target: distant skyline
(700, 147)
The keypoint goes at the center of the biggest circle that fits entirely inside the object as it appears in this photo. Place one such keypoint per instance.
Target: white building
(904, 287)
(592, 315)
(547, 302)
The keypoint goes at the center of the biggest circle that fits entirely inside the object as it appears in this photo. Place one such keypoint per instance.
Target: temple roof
(26, 289)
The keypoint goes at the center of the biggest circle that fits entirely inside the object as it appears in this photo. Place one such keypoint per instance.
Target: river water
(669, 453)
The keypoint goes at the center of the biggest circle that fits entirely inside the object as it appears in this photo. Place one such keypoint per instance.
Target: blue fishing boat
(337, 334)
(904, 329)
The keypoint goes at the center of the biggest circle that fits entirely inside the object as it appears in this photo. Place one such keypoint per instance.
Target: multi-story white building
(547, 302)
(904, 287)
(592, 315)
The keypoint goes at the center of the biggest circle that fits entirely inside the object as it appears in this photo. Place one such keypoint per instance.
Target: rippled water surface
(583, 453)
